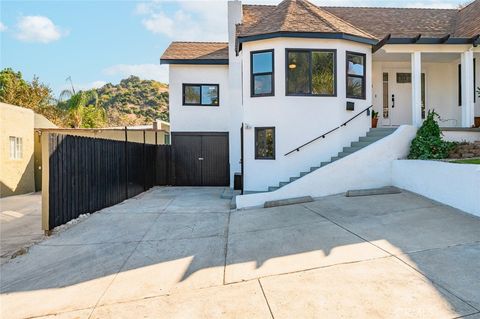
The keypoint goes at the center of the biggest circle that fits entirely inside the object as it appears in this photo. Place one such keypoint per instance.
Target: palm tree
(80, 105)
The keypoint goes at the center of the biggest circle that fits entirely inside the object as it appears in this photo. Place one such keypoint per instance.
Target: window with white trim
(16, 148)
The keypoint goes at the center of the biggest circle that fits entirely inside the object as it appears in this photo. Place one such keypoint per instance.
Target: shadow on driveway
(336, 255)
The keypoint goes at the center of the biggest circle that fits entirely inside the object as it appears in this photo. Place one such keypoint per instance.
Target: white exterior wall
(188, 118)
(441, 91)
(457, 185)
(370, 167)
(477, 84)
(297, 119)
(235, 88)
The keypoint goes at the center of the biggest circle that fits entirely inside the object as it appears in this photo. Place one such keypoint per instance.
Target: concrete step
(378, 133)
(360, 144)
(370, 139)
(372, 136)
(343, 154)
(384, 129)
(352, 149)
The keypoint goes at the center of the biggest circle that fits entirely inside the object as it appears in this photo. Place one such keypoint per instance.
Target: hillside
(134, 101)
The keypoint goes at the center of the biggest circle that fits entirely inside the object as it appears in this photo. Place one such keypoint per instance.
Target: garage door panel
(215, 166)
(187, 151)
(201, 159)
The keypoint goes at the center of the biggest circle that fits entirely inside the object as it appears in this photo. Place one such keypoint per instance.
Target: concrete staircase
(372, 136)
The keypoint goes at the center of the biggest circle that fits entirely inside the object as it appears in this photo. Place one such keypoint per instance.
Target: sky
(96, 42)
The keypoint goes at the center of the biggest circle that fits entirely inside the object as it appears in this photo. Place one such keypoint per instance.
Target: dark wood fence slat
(88, 174)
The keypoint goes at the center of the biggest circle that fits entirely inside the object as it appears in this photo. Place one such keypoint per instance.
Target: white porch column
(467, 89)
(416, 89)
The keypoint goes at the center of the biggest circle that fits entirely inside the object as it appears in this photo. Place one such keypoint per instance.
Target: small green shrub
(428, 143)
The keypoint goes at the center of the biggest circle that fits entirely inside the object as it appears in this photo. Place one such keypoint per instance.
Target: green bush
(428, 143)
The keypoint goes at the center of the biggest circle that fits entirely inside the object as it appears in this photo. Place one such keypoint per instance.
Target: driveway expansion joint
(399, 259)
(266, 300)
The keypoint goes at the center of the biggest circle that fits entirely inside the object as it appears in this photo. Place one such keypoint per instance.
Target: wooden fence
(84, 175)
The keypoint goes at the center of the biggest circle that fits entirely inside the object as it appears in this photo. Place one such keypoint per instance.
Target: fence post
(156, 157)
(126, 163)
(46, 153)
(144, 163)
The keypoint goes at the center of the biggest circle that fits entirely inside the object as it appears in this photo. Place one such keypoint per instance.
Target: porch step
(360, 144)
(353, 148)
(372, 136)
(371, 139)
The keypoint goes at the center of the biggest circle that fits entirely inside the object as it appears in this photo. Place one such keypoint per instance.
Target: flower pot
(374, 122)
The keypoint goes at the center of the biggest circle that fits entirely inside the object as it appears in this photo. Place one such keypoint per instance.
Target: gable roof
(300, 16)
(196, 53)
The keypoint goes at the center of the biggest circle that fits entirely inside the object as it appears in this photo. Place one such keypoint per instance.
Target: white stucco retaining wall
(370, 167)
(461, 136)
(457, 185)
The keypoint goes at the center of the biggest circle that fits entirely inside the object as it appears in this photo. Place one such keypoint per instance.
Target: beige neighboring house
(20, 155)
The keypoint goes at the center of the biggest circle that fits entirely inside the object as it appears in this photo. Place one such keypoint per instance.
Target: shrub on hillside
(428, 143)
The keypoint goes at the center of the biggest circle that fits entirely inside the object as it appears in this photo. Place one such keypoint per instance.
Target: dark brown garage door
(200, 159)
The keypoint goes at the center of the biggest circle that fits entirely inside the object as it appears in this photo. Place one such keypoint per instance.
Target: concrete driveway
(180, 253)
(20, 223)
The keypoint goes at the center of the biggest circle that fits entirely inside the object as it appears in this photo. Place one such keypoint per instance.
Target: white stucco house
(293, 88)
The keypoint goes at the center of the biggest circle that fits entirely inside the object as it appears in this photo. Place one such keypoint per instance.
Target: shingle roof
(376, 23)
(302, 16)
(196, 52)
(399, 22)
(468, 20)
(294, 16)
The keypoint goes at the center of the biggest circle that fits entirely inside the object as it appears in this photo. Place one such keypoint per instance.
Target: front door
(397, 97)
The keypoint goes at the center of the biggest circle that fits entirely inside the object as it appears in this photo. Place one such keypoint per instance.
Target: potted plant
(374, 119)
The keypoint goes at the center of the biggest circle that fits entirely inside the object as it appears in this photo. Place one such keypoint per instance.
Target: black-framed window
(356, 70)
(262, 73)
(265, 143)
(201, 94)
(311, 72)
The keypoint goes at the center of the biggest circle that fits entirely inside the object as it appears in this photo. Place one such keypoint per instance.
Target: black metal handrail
(297, 149)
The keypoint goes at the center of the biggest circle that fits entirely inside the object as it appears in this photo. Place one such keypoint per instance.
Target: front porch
(409, 80)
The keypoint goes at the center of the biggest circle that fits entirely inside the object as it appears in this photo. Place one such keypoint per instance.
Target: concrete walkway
(20, 223)
(180, 253)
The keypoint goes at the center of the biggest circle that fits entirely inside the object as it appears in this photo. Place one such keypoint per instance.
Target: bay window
(262, 75)
(356, 86)
(311, 72)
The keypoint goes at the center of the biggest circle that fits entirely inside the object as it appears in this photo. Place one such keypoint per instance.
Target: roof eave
(421, 40)
(195, 61)
(311, 35)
